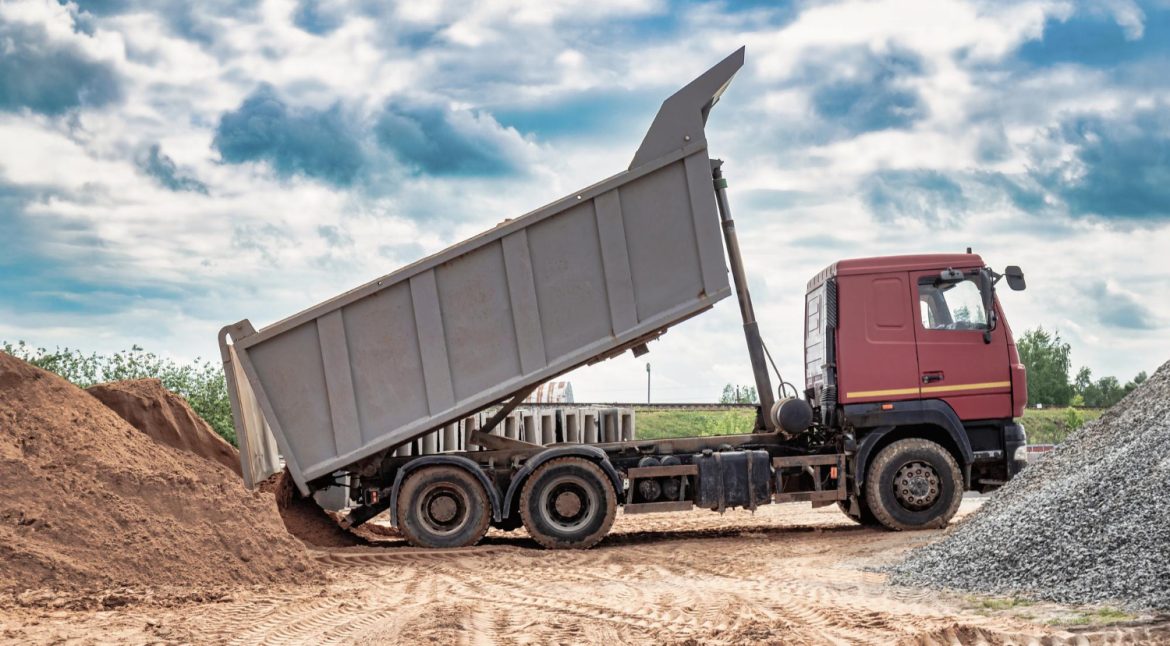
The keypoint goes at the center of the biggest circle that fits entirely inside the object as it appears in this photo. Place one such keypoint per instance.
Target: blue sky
(169, 167)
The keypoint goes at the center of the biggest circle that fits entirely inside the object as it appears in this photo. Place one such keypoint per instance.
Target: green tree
(735, 394)
(1046, 357)
(1138, 380)
(1083, 381)
(1104, 392)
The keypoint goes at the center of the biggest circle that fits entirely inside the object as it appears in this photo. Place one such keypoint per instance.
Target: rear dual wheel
(443, 506)
(568, 503)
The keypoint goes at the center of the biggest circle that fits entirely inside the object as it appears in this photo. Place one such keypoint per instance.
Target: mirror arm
(990, 279)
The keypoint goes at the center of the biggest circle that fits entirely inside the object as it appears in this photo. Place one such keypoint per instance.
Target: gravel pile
(1089, 523)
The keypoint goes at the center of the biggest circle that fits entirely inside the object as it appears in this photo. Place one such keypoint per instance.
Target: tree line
(737, 394)
(1046, 357)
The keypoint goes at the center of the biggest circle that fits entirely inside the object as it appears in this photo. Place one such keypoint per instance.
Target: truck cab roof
(882, 264)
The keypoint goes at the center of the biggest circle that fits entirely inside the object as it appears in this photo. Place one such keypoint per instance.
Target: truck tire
(913, 484)
(568, 503)
(443, 506)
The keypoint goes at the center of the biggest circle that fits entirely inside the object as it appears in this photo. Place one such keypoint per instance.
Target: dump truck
(912, 381)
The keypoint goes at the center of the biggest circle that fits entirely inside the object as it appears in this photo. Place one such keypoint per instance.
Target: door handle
(929, 377)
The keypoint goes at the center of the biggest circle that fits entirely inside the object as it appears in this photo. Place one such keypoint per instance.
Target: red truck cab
(918, 346)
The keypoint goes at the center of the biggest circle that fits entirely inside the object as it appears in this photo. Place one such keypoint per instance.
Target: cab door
(956, 363)
(875, 339)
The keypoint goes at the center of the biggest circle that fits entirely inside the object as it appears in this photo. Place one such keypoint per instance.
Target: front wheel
(913, 484)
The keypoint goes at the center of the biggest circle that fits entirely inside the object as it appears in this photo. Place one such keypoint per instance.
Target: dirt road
(787, 575)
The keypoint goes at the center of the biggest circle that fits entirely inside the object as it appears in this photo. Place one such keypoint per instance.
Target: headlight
(1021, 454)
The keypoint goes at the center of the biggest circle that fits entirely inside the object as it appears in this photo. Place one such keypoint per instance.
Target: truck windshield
(953, 306)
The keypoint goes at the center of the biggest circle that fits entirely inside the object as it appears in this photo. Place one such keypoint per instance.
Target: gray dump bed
(572, 282)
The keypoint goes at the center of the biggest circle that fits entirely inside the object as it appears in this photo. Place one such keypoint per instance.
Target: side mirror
(1015, 278)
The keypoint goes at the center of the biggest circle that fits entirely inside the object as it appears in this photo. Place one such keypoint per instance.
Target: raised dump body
(581, 279)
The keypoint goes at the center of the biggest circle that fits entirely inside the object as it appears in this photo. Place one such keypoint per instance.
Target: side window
(953, 306)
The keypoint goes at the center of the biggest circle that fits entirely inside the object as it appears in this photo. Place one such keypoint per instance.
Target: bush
(201, 383)
(1053, 425)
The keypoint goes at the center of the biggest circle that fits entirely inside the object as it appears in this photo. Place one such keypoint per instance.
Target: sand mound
(90, 504)
(305, 519)
(166, 417)
(1089, 523)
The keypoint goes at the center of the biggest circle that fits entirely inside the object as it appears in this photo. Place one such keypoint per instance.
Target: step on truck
(912, 379)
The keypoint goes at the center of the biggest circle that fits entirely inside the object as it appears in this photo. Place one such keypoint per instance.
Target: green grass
(1045, 426)
(1024, 608)
(1093, 617)
(1053, 425)
(658, 424)
(1004, 603)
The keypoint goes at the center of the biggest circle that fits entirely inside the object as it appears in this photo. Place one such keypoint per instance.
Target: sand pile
(1088, 523)
(167, 418)
(90, 503)
(304, 518)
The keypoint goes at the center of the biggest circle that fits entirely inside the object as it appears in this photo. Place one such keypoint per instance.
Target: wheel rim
(569, 503)
(917, 486)
(442, 509)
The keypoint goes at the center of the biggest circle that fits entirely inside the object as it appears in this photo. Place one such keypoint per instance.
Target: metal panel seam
(526, 320)
(698, 175)
(432, 341)
(340, 393)
(615, 262)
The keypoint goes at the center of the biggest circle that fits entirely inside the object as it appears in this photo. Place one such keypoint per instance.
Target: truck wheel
(913, 484)
(443, 506)
(568, 503)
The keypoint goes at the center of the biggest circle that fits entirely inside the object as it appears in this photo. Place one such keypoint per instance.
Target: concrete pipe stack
(542, 425)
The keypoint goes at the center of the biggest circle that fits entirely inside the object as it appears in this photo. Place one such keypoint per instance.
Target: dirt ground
(786, 575)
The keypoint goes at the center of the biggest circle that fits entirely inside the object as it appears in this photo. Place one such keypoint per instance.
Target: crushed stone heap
(165, 417)
(90, 503)
(1088, 523)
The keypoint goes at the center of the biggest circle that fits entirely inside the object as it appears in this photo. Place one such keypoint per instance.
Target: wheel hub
(568, 504)
(916, 486)
(443, 509)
